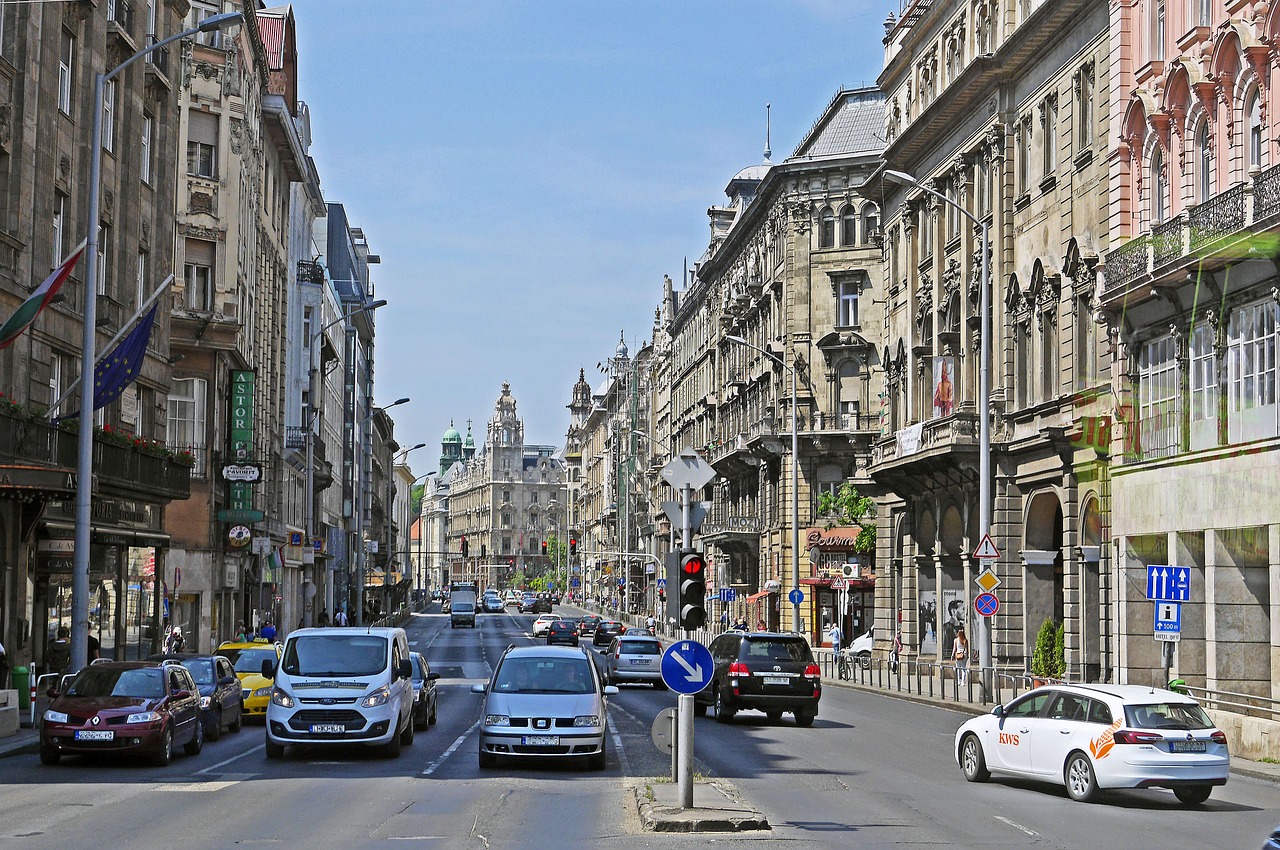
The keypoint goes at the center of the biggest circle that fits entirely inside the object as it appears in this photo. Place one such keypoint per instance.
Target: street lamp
(795, 475)
(315, 405)
(89, 341)
(984, 390)
(358, 511)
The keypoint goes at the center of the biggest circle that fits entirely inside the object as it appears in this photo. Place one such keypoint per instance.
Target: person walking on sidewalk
(960, 655)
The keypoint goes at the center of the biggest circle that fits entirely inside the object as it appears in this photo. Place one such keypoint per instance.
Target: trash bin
(22, 684)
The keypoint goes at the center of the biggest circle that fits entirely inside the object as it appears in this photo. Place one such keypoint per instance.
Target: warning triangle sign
(986, 549)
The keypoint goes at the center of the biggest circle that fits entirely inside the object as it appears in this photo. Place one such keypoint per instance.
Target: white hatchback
(1092, 737)
(542, 624)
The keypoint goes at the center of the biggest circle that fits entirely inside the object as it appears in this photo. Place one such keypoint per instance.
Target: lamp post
(361, 556)
(984, 394)
(315, 406)
(795, 475)
(84, 464)
(391, 543)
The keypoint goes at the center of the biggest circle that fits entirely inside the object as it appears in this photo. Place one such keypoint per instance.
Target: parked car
(246, 659)
(606, 632)
(1094, 737)
(562, 631)
(544, 702)
(221, 698)
(541, 625)
(424, 691)
(765, 671)
(587, 624)
(124, 707)
(634, 658)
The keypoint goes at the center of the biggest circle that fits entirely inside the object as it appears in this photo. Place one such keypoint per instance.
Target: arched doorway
(1044, 580)
(1094, 636)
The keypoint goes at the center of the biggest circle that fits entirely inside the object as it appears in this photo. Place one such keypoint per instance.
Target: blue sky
(529, 171)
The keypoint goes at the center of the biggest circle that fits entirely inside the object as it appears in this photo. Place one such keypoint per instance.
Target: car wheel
(238, 723)
(196, 744)
(1082, 786)
(1193, 795)
(723, 713)
(774, 716)
(49, 755)
(488, 760)
(699, 708)
(215, 728)
(431, 718)
(406, 734)
(274, 750)
(391, 749)
(972, 760)
(165, 753)
(805, 718)
(864, 660)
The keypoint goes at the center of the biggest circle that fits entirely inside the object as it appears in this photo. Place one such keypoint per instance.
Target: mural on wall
(944, 391)
(953, 618)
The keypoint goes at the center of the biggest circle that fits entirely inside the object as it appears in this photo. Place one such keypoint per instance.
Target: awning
(133, 536)
(756, 597)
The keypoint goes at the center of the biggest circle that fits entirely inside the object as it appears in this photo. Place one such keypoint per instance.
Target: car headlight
(497, 720)
(52, 716)
(263, 691)
(204, 702)
(587, 720)
(282, 698)
(143, 717)
(379, 697)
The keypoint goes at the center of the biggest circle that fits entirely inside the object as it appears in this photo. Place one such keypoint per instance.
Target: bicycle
(844, 664)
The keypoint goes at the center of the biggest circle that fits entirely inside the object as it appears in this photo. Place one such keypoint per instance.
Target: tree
(1048, 659)
(849, 507)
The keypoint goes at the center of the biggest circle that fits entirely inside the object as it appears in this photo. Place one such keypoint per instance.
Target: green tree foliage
(1048, 659)
(415, 499)
(849, 507)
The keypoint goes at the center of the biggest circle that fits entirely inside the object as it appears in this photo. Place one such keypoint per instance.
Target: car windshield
(1167, 715)
(544, 676)
(201, 669)
(95, 681)
(773, 649)
(351, 654)
(249, 660)
(640, 647)
(463, 606)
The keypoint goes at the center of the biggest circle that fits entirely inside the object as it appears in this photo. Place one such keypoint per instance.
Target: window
(1251, 357)
(66, 62)
(59, 217)
(1050, 359)
(1024, 157)
(1086, 345)
(953, 211)
(104, 236)
(202, 144)
(198, 274)
(307, 323)
(199, 11)
(1157, 30)
(870, 222)
(1158, 398)
(848, 226)
(533, 498)
(1204, 374)
(1158, 188)
(1206, 12)
(62, 371)
(1049, 150)
(1204, 163)
(108, 115)
(847, 304)
(827, 228)
(926, 237)
(1253, 108)
(186, 426)
(1084, 109)
(141, 294)
(148, 130)
(1022, 356)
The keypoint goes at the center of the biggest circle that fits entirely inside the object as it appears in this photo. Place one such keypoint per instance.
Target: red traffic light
(693, 565)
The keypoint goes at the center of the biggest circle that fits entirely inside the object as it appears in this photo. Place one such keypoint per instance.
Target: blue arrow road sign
(687, 667)
(728, 594)
(1168, 583)
(796, 596)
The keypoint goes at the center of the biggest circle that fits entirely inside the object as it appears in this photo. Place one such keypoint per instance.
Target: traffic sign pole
(684, 745)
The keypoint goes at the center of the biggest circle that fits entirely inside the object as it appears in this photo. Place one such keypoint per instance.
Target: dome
(452, 435)
(753, 172)
(621, 352)
(470, 442)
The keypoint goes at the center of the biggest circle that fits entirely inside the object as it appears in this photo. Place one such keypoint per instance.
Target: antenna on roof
(767, 123)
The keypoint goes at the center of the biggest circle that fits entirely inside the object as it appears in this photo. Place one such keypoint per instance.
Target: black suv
(606, 632)
(221, 700)
(563, 631)
(765, 671)
(587, 625)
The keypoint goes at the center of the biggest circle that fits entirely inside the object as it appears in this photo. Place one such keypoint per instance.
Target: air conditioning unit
(849, 570)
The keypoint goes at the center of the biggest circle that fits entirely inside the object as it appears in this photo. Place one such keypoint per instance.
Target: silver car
(635, 658)
(544, 701)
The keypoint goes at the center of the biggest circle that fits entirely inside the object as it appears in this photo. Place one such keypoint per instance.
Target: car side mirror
(478, 689)
(268, 668)
(610, 690)
(227, 680)
(998, 711)
(406, 670)
(52, 693)
(182, 694)
(432, 676)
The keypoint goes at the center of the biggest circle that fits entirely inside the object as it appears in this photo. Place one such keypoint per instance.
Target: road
(872, 772)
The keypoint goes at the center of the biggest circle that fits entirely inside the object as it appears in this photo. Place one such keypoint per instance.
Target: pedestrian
(323, 620)
(836, 637)
(896, 653)
(268, 631)
(340, 617)
(59, 654)
(960, 655)
(95, 649)
(724, 620)
(241, 635)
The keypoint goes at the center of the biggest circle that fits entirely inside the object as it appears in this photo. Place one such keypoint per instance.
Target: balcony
(120, 23)
(158, 64)
(1218, 228)
(724, 528)
(938, 453)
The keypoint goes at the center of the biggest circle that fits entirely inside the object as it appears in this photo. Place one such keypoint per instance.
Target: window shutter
(202, 127)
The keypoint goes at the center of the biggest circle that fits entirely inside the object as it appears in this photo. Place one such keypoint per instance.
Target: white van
(342, 686)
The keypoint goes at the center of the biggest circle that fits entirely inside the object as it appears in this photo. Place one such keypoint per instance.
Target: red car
(125, 707)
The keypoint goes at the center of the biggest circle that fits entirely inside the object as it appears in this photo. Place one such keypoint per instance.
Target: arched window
(1158, 188)
(848, 226)
(1204, 163)
(870, 222)
(827, 229)
(1253, 108)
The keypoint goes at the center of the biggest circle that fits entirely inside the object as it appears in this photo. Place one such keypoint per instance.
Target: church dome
(451, 436)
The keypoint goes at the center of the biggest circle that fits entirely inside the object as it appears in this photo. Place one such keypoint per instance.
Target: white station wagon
(1093, 737)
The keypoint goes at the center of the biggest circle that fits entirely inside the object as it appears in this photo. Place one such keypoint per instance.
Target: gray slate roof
(853, 123)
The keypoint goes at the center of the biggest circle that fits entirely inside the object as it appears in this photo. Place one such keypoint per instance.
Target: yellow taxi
(247, 657)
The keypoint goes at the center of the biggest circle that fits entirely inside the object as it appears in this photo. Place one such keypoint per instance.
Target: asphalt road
(872, 772)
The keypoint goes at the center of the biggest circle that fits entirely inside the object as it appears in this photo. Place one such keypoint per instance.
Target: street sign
(796, 596)
(687, 667)
(241, 515)
(1168, 618)
(1167, 583)
(986, 604)
(688, 470)
(697, 514)
(840, 584)
(728, 594)
(986, 550)
(575, 581)
(661, 731)
(988, 581)
(662, 584)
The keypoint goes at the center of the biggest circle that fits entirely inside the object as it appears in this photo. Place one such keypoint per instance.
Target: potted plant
(1048, 659)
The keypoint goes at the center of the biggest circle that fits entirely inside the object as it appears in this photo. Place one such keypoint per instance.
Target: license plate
(1187, 747)
(327, 728)
(540, 740)
(776, 680)
(640, 661)
(95, 736)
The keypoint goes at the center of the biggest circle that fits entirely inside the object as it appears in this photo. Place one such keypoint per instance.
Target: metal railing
(1236, 703)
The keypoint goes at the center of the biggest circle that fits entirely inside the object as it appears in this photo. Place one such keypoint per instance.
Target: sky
(529, 171)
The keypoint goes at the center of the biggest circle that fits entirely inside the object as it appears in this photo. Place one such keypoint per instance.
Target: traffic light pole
(684, 705)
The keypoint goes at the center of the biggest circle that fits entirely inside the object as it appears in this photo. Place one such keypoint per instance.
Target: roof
(851, 124)
(1129, 693)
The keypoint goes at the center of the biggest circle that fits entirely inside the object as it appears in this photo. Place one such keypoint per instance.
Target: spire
(767, 152)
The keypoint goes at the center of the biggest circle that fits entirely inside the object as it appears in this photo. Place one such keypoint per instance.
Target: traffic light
(544, 548)
(464, 545)
(693, 590)
(573, 547)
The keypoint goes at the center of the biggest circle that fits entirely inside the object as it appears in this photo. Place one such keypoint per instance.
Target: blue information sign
(1168, 583)
(687, 667)
(1168, 619)
(728, 594)
(796, 596)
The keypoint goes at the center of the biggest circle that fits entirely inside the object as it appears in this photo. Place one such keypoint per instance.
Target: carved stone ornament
(108, 199)
(201, 202)
(237, 135)
(6, 125)
(195, 231)
(801, 217)
(64, 166)
(924, 299)
(206, 70)
(146, 234)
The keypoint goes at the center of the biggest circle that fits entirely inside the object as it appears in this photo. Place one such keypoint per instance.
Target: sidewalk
(26, 741)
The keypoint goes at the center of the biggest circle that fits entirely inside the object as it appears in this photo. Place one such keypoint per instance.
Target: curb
(656, 818)
(20, 749)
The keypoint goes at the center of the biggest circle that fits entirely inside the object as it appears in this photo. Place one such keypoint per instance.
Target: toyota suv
(765, 671)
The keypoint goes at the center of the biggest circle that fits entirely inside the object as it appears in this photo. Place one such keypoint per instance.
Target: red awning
(756, 597)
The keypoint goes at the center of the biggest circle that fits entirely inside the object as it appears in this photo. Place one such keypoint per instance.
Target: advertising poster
(928, 623)
(944, 390)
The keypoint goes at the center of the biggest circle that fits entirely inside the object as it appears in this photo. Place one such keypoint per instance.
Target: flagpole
(106, 349)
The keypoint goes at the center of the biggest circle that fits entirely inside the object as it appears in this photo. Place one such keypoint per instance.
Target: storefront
(841, 585)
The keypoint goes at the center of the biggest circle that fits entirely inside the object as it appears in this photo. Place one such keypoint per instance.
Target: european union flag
(121, 366)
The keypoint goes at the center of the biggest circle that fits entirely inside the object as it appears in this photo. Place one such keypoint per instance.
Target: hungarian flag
(38, 300)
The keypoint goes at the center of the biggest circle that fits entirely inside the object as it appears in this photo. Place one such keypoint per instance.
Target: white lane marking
(1015, 825)
(617, 748)
(431, 768)
(214, 767)
(196, 786)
